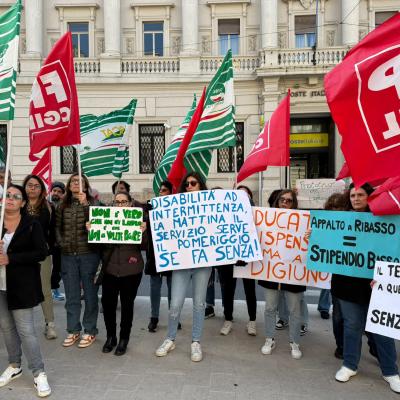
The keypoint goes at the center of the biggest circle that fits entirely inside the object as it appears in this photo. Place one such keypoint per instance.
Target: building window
(228, 36)
(382, 16)
(3, 145)
(226, 156)
(80, 38)
(153, 38)
(152, 147)
(305, 30)
(69, 161)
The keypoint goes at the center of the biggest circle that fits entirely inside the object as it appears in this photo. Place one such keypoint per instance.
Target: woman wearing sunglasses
(122, 266)
(180, 281)
(22, 249)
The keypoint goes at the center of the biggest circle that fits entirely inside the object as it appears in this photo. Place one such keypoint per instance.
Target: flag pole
(79, 168)
(260, 188)
(235, 166)
(6, 174)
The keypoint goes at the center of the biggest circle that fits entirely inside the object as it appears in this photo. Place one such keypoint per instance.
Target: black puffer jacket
(71, 231)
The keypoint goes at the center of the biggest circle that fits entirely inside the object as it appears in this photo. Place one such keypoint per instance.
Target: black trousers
(228, 287)
(56, 271)
(126, 287)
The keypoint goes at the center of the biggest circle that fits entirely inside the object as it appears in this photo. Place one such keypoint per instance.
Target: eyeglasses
(285, 200)
(14, 196)
(121, 203)
(75, 181)
(33, 186)
(191, 183)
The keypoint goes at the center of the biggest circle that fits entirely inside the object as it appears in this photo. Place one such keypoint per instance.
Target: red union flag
(53, 109)
(363, 93)
(272, 145)
(386, 199)
(43, 168)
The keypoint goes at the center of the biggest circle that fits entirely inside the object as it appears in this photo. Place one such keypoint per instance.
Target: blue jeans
(155, 293)
(283, 311)
(77, 269)
(324, 302)
(337, 323)
(18, 330)
(180, 283)
(354, 319)
(293, 301)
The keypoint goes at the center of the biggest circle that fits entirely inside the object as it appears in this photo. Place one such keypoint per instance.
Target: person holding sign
(79, 261)
(22, 248)
(180, 281)
(294, 293)
(122, 266)
(354, 295)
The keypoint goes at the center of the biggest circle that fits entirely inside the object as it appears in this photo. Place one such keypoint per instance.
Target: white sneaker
(196, 354)
(251, 328)
(394, 382)
(268, 346)
(50, 331)
(9, 374)
(41, 385)
(226, 328)
(295, 350)
(167, 346)
(344, 374)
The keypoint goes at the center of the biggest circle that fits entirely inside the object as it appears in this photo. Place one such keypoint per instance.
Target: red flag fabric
(43, 168)
(53, 108)
(272, 145)
(386, 199)
(344, 172)
(363, 94)
(178, 169)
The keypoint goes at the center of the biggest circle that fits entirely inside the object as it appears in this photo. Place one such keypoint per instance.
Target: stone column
(350, 19)
(34, 27)
(269, 24)
(112, 27)
(190, 27)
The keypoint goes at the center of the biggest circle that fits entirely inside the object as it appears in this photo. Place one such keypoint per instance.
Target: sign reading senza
(202, 229)
(383, 313)
(350, 243)
(115, 225)
(284, 249)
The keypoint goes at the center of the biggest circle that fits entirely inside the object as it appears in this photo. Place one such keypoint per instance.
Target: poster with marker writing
(203, 229)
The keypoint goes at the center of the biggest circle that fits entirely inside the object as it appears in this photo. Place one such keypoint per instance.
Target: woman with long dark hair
(79, 262)
(353, 295)
(22, 248)
(39, 208)
(180, 281)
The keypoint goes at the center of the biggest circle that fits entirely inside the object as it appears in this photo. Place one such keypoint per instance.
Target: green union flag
(170, 155)
(216, 129)
(104, 141)
(9, 39)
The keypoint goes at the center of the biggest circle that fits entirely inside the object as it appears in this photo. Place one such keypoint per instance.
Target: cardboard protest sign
(350, 243)
(284, 249)
(313, 193)
(202, 229)
(383, 313)
(115, 225)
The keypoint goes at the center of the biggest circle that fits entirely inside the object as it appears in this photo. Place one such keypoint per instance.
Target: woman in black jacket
(22, 248)
(39, 208)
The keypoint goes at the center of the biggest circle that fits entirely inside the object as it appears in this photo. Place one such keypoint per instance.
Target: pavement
(233, 366)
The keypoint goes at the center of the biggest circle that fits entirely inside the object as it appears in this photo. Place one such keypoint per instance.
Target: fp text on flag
(216, 129)
(172, 151)
(104, 141)
(363, 94)
(272, 145)
(9, 39)
(53, 108)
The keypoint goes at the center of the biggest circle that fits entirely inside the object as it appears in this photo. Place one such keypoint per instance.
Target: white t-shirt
(7, 240)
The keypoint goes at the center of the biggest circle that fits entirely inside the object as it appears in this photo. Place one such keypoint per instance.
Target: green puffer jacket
(71, 233)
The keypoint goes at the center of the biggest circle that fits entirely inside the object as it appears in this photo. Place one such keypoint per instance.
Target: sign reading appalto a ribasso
(350, 243)
(115, 225)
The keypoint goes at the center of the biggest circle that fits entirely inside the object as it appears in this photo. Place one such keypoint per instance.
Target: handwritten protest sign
(313, 193)
(384, 308)
(201, 229)
(115, 225)
(350, 243)
(284, 249)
